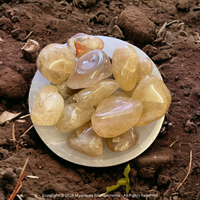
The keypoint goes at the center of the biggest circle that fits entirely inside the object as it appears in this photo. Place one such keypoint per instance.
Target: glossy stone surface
(71, 99)
(73, 117)
(48, 106)
(144, 68)
(86, 141)
(82, 44)
(155, 98)
(64, 90)
(124, 141)
(56, 62)
(90, 69)
(94, 95)
(116, 115)
(119, 93)
(124, 66)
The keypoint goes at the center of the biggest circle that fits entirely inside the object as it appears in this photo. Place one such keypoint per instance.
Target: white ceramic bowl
(56, 140)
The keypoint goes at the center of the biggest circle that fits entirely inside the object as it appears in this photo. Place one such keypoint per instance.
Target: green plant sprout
(122, 181)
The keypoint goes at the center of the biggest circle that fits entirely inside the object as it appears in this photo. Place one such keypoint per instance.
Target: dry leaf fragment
(7, 116)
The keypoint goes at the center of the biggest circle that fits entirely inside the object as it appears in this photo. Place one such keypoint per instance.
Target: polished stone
(48, 106)
(82, 44)
(124, 141)
(144, 68)
(56, 62)
(116, 115)
(73, 117)
(124, 66)
(119, 93)
(86, 141)
(65, 91)
(155, 98)
(90, 69)
(94, 95)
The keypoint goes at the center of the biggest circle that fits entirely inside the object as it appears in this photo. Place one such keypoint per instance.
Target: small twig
(24, 116)
(30, 176)
(21, 120)
(13, 136)
(13, 132)
(101, 195)
(173, 143)
(19, 197)
(189, 169)
(28, 36)
(180, 24)
(26, 131)
(161, 66)
(170, 23)
(162, 29)
(184, 32)
(19, 184)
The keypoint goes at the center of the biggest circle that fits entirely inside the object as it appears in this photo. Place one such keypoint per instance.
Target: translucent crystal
(124, 66)
(90, 69)
(71, 99)
(124, 141)
(48, 106)
(116, 115)
(144, 67)
(82, 44)
(155, 98)
(86, 141)
(56, 62)
(73, 117)
(64, 90)
(119, 93)
(94, 95)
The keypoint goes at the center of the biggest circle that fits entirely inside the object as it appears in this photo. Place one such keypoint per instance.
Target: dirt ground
(175, 49)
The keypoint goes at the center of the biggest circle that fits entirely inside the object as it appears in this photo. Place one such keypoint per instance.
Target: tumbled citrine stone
(155, 98)
(90, 69)
(48, 106)
(56, 62)
(124, 66)
(124, 141)
(86, 141)
(94, 95)
(119, 93)
(73, 117)
(65, 91)
(116, 115)
(82, 44)
(144, 68)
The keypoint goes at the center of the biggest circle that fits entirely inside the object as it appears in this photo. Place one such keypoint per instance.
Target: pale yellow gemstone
(82, 44)
(90, 69)
(86, 141)
(48, 106)
(124, 141)
(124, 66)
(56, 62)
(71, 99)
(144, 68)
(119, 93)
(65, 91)
(73, 117)
(116, 115)
(94, 95)
(155, 98)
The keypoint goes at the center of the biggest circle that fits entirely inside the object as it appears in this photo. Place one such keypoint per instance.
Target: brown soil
(176, 51)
